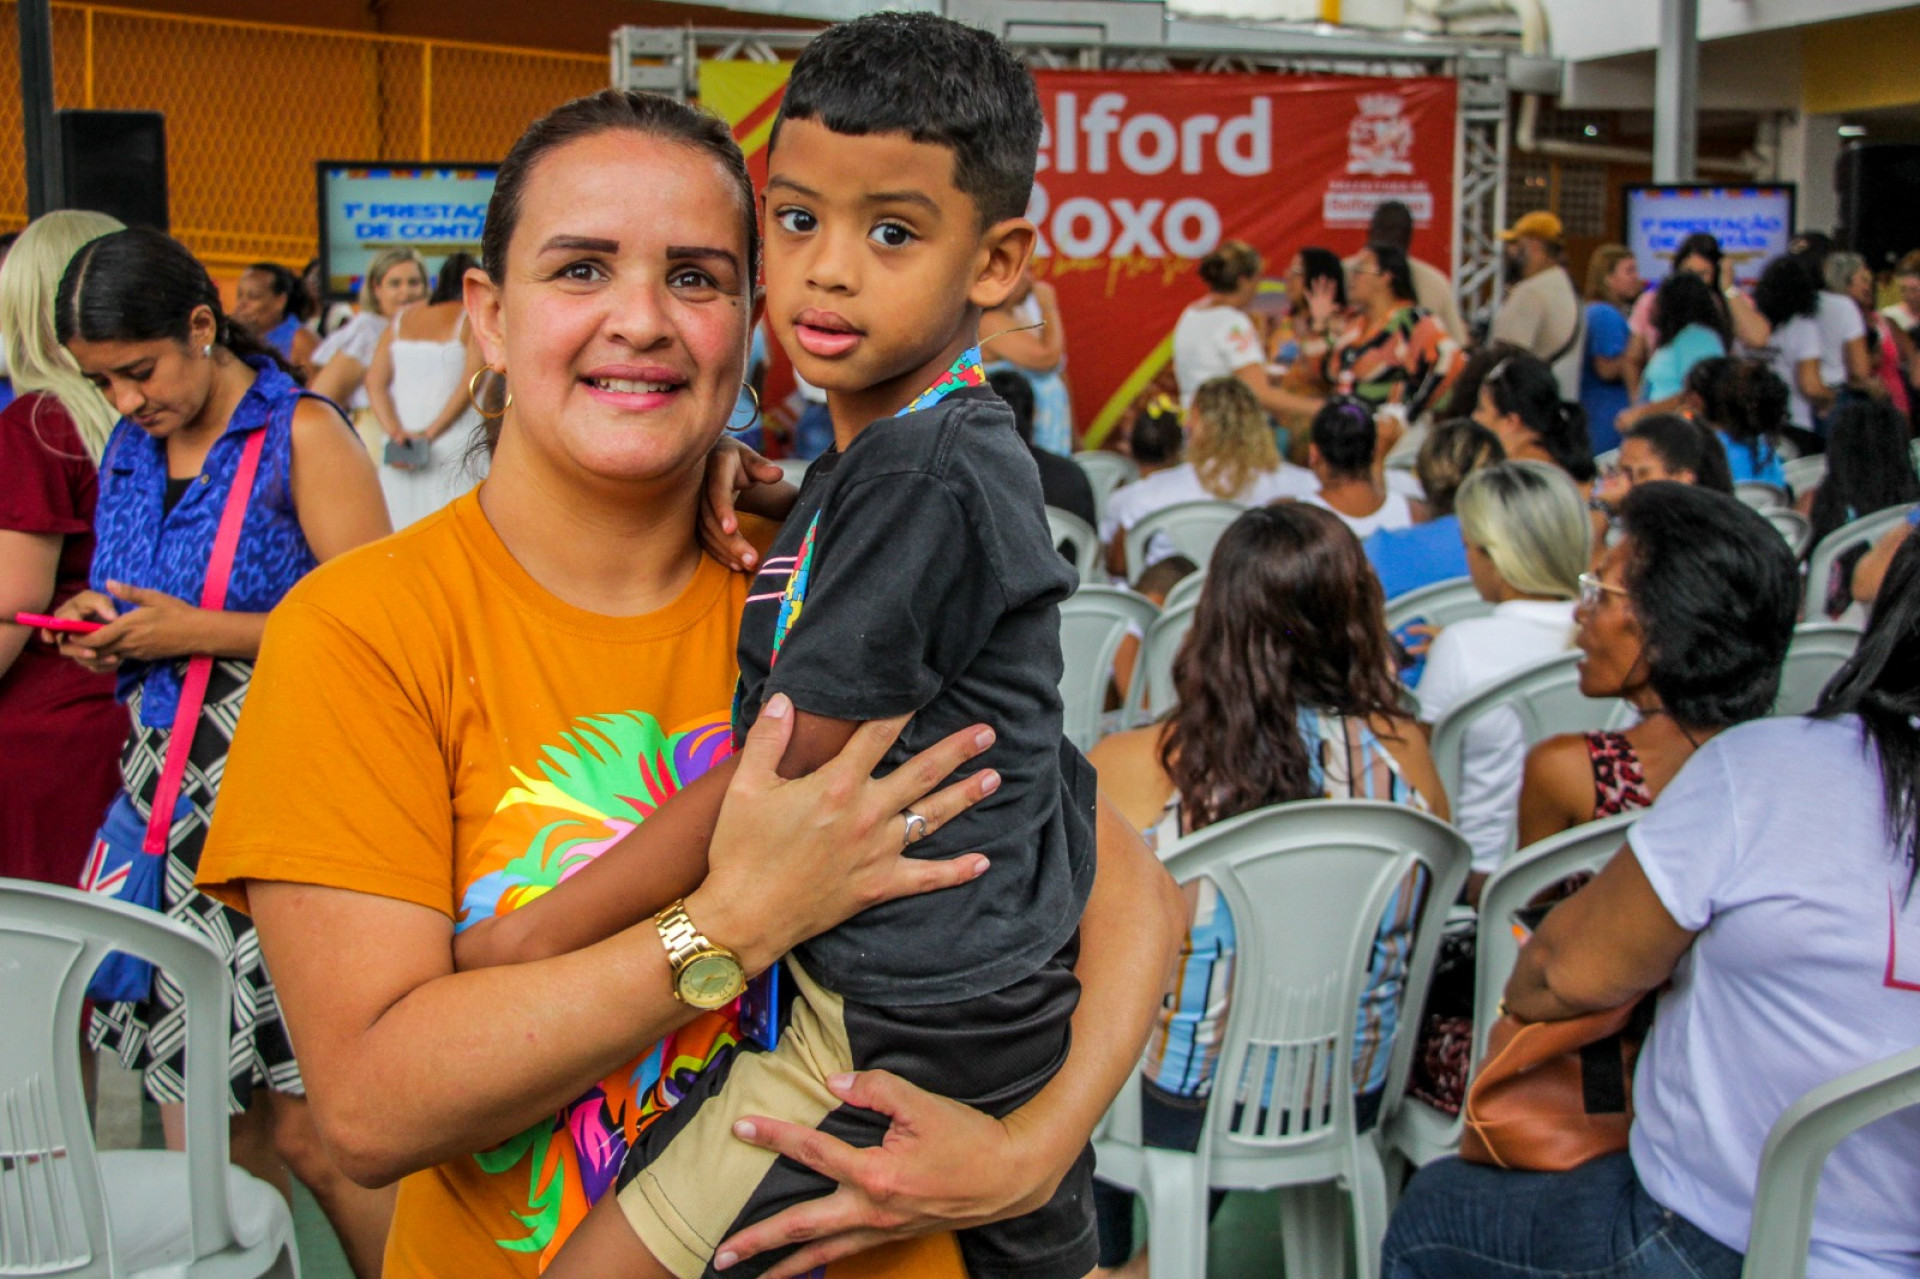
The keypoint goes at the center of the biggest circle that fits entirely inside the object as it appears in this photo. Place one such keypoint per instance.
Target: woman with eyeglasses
(1520, 402)
(1665, 446)
(1687, 619)
(1392, 352)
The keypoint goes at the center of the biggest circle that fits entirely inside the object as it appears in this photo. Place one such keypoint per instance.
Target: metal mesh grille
(240, 151)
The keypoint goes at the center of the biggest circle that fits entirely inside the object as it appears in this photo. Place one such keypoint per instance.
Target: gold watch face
(711, 979)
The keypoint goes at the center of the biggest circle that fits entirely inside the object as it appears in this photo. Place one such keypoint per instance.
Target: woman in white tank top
(417, 388)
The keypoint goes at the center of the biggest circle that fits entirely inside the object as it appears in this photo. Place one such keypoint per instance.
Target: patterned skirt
(151, 1036)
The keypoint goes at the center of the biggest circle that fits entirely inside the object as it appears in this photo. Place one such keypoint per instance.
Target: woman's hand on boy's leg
(942, 1166)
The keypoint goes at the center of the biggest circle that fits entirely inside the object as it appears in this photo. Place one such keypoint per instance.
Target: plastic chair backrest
(1545, 696)
(1913, 451)
(1069, 529)
(1867, 529)
(1791, 525)
(1151, 694)
(1804, 473)
(794, 467)
(1105, 471)
(1517, 882)
(1185, 591)
(1762, 496)
(1308, 884)
(1440, 604)
(1093, 621)
(1193, 528)
(53, 1216)
(1797, 1148)
(1818, 651)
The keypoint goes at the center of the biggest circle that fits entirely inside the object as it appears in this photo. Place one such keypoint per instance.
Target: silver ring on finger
(916, 828)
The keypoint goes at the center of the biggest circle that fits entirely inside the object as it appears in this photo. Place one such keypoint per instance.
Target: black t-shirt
(1064, 485)
(916, 574)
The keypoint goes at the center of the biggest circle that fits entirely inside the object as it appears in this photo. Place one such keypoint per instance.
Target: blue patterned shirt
(143, 545)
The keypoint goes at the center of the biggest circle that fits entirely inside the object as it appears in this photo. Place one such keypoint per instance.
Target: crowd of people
(523, 722)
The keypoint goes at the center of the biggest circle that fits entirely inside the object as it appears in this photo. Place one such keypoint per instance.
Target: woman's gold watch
(705, 975)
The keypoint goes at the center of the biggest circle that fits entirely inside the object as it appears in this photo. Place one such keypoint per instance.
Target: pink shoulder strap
(193, 689)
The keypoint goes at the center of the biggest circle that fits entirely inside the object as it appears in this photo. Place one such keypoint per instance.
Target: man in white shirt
(1392, 225)
(1542, 311)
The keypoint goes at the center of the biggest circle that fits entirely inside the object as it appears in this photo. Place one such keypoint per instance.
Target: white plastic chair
(1185, 591)
(1791, 525)
(1307, 884)
(1417, 1130)
(1106, 471)
(795, 468)
(1797, 1148)
(1441, 604)
(1546, 696)
(1868, 529)
(1093, 621)
(1192, 527)
(67, 1209)
(1151, 693)
(1805, 473)
(1818, 651)
(1762, 496)
(1069, 529)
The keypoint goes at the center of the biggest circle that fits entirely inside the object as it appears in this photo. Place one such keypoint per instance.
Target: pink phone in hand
(65, 625)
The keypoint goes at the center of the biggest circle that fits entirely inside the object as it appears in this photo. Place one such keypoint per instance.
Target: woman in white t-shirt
(1789, 298)
(1344, 457)
(1767, 894)
(1528, 541)
(1231, 457)
(1215, 337)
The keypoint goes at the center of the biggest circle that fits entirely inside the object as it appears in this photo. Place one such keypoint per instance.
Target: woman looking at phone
(509, 687)
(144, 323)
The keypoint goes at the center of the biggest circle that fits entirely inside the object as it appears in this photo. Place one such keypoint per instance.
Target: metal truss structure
(1127, 35)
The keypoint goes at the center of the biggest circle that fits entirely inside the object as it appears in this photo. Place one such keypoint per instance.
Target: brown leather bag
(1552, 1095)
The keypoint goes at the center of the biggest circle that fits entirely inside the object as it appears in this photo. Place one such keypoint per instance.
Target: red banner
(1143, 173)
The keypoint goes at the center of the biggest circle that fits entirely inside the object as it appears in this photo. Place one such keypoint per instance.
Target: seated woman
(1286, 693)
(1688, 619)
(1231, 457)
(1692, 325)
(1772, 926)
(1528, 540)
(1665, 446)
(1343, 458)
(1406, 559)
(1157, 440)
(1520, 402)
(1745, 404)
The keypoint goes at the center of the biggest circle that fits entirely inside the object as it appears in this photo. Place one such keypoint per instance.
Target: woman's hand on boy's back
(739, 479)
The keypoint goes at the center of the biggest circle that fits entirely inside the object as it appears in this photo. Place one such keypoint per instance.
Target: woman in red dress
(60, 728)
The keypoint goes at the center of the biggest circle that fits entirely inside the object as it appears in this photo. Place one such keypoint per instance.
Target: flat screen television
(370, 205)
(1752, 223)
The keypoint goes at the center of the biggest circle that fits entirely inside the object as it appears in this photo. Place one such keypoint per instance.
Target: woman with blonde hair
(1528, 541)
(1231, 457)
(394, 279)
(1216, 338)
(60, 727)
(1608, 380)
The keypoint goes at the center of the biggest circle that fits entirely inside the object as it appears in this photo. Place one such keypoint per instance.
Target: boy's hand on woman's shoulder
(739, 479)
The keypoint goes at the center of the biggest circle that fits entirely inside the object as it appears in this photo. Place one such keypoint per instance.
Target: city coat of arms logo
(1380, 139)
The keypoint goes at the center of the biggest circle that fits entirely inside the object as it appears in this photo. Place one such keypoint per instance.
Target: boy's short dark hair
(936, 81)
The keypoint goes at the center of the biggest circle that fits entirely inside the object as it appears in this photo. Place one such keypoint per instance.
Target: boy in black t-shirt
(914, 574)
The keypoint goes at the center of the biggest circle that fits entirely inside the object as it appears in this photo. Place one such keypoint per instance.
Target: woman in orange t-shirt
(447, 723)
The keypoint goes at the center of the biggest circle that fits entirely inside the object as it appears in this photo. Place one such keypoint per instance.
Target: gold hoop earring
(730, 428)
(473, 396)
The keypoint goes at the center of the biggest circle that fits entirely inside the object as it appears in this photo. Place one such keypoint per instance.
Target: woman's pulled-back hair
(1237, 444)
(285, 284)
(648, 113)
(1868, 467)
(1525, 386)
(1716, 592)
(1344, 433)
(1530, 520)
(1600, 266)
(1881, 684)
(1397, 269)
(1291, 617)
(142, 285)
(1683, 444)
(1453, 450)
(29, 284)
(1229, 266)
(1157, 437)
(377, 270)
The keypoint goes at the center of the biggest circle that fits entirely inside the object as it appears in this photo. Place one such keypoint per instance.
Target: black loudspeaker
(115, 162)
(1879, 184)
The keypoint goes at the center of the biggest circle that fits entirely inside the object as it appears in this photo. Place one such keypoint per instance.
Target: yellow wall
(1861, 63)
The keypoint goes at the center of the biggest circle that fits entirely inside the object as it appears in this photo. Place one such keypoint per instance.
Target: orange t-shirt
(427, 723)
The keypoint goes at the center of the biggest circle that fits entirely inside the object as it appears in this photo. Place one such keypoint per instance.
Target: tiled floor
(1245, 1240)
